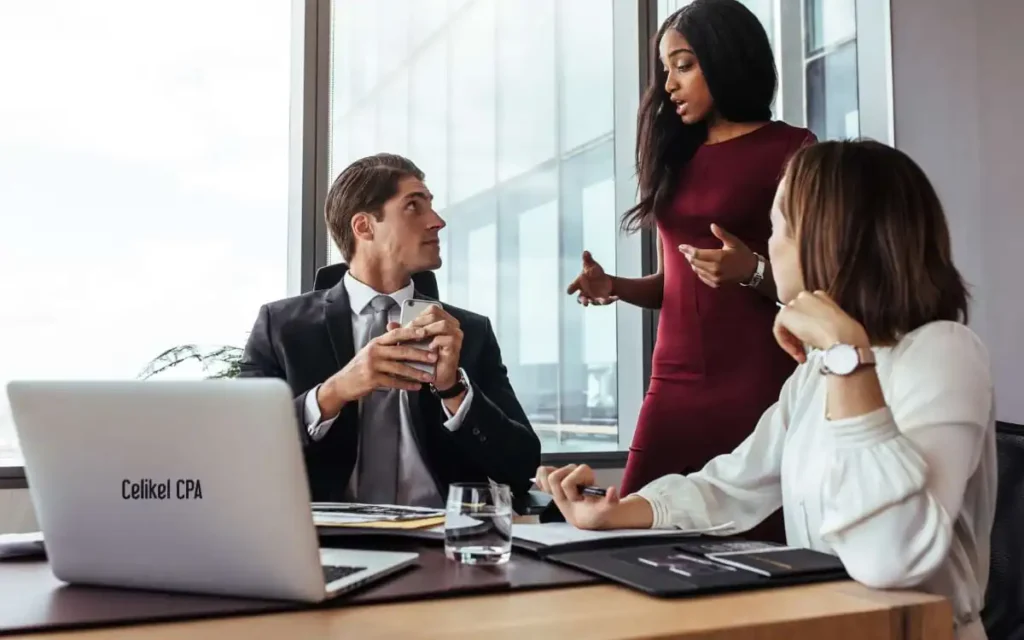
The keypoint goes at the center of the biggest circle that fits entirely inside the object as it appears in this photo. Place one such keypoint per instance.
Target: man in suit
(374, 428)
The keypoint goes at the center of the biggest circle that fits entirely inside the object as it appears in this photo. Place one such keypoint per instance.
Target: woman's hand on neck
(722, 130)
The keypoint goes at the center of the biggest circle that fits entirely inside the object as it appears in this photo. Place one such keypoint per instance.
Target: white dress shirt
(905, 496)
(415, 484)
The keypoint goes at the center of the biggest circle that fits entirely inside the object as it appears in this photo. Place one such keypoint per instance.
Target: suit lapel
(338, 319)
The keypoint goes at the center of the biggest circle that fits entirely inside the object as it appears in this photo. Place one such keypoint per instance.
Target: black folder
(704, 565)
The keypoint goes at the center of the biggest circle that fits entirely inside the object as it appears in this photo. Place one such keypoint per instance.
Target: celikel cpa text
(148, 489)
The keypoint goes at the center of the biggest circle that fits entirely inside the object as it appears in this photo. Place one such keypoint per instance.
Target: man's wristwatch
(843, 359)
(758, 276)
(452, 391)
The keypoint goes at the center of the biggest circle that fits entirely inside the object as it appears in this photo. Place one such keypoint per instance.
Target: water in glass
(478, 524)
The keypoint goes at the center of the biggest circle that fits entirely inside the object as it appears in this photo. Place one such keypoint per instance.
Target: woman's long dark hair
(736, 59)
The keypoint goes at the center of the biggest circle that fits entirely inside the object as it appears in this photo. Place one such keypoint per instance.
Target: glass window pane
(539, 293)
(473, 101)
(828, 24)
(526, 68)
(483, 274)
(454, 6)
(498, 108)
(832, 102)
(392, 35)
(393, 116)
(586, 85)
(431, 15)
(599, 236)
(428, 135)
(468, 241)
(599, 353)
(145, 193)
(362, 132)
(346, 59)
(357, 24)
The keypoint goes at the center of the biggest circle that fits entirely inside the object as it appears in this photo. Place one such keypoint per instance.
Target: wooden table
(832, 611)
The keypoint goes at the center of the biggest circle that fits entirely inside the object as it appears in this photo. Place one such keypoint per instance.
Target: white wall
(1001, 92)
(958, 93)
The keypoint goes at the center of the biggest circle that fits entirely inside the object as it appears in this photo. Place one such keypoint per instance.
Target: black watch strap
(452, 391)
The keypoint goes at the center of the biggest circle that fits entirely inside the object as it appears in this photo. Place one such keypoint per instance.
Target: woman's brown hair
(873, 235)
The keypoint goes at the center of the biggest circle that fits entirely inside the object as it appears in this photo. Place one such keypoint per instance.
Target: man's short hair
(363, 187)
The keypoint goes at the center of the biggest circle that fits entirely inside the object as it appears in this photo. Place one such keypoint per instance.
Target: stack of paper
(560, 533)
(375, 516)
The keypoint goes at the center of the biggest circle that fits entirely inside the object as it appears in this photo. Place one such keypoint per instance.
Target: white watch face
(841, 359)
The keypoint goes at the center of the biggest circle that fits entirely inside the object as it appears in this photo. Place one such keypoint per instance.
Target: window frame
(873, 40)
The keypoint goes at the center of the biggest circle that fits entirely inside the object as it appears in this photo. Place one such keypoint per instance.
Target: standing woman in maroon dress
(709, 158)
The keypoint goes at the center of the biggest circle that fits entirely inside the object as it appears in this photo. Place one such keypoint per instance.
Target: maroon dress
(716, 366)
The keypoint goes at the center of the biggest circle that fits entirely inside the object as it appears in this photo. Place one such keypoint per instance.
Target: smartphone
(411, 309)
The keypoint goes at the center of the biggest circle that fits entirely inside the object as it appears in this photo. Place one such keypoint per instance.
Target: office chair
(426, 284)
(330, 275)
(1003, 615)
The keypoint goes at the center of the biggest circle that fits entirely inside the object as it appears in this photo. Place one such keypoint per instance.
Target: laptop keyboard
(337, 573)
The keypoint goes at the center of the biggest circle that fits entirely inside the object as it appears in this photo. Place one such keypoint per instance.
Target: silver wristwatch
(843, 359)
(758, 276)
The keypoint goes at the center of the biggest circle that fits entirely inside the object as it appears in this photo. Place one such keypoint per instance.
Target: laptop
(195, 486)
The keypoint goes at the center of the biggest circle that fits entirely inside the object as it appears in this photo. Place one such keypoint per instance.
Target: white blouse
(904, 496)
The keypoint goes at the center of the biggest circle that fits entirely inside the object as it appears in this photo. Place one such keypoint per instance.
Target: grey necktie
(379, 427)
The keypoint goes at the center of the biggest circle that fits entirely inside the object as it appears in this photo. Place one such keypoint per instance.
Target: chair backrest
(330, 275)
(1003, 615)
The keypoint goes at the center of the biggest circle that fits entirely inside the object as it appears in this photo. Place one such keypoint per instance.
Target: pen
(585, 490)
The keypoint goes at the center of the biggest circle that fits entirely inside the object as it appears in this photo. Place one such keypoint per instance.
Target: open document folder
(375, 516)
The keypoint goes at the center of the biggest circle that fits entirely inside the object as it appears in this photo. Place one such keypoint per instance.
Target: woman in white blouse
(881, 447)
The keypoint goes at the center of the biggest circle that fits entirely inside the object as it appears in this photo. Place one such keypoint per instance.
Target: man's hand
(380, 364)
(446, 343)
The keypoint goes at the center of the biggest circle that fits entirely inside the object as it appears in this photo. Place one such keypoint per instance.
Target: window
(143, 182)
(510, 110)
(830, 31)
(833, 58)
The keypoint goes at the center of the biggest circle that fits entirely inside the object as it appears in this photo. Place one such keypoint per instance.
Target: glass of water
(478, 523)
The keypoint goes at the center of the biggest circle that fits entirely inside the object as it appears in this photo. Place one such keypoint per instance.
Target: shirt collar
(360, 294)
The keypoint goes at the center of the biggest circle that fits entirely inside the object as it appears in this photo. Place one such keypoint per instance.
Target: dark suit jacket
(306, 339)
